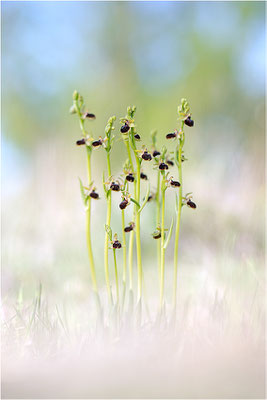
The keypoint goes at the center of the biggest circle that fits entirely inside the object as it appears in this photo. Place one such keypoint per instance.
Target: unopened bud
(72, 110)
(75, 95)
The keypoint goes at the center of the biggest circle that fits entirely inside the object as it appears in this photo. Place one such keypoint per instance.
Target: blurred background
(150, 54)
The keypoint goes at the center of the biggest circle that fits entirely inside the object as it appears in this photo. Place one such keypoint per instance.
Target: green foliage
(145, 199)
(83, 195)
(167, 241)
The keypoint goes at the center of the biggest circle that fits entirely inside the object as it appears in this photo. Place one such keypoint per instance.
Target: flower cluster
(128, 184)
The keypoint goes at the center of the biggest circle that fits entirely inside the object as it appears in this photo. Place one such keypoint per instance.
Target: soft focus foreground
(52, 345)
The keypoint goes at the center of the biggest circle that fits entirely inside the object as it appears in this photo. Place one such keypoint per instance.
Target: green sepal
(84, 197)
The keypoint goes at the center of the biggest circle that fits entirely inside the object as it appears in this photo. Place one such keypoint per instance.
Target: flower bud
(75, 95)
(72, 109)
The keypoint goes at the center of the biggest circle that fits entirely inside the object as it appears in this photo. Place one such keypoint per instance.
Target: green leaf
(104, 186)
(135, 202)
(168, 237)
(84, 197)
(146, 198)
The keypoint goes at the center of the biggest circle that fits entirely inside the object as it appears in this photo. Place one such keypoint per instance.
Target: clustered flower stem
(78, 103)
(130, 191)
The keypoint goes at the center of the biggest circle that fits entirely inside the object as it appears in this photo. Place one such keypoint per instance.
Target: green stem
(158, 221)
(130, 260)
(88, 211)
(162, 254)
(124, 247)
(178, 222)
(138, 240)
(137, 218)
(129, 154)
(81, 120)
(88, 226)
(116, 277)
(124, 259)
(108, 219)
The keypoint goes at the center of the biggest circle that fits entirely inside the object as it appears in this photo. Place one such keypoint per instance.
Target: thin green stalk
(137, 218)
(129, 154)
(130, 260)
(108, 219)
(116, 277)
(124, 247)
(124, 257)
(158, 220)
(88, 210)
(138, 239)
(81, 120)
(162, 250)
(88, 226)
(178, 221)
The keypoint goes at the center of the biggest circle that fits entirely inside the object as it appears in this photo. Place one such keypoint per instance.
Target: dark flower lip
(143, 176)
(94, 195)
(123, 204)
(137, 137)
(125, 128)
(146, 156)
(191, 204)
(188, 121)
(97, 143)
(156, 235)
(171, 135)
(175, 183)
(116, 244)
(80, 142)
(115, 187)
(89, 115)
(129, 228)
(163, 166)
(156, 153)
(170, 162)
(130, 178)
